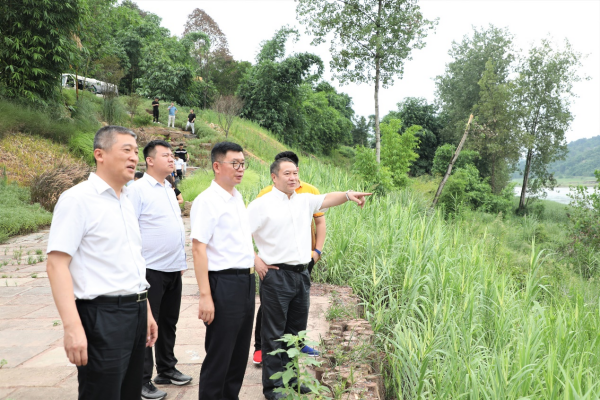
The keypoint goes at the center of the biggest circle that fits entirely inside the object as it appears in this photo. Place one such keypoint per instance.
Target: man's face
(225, 170)
(120, 160)
(287, 179)
(162, 160)
(180, 147)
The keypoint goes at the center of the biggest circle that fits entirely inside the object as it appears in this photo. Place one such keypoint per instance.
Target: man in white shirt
(224, 266)
(163, 248)
(97, 274)
(280, 222)
(179, 166)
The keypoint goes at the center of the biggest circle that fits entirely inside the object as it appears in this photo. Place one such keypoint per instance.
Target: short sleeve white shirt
(220, 220)
(161, 226)
(179, 164)
(281, 226)
(101, 234)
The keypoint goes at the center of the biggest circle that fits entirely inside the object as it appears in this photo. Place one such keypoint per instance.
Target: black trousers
(164, 296)
(116, 336)
(285, 304)
(228, 337)
(257, 340)
(155, 114)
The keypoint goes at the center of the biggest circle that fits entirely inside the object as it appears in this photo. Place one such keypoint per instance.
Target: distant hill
(582, 159)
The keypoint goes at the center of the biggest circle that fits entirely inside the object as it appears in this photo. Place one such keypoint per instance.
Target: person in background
(280, 224)
(178, 194)
(163, 248)
(137, 176)
(318, 230)
(223, 262)
(155, 106)
(98, 275)
(178, 167)
(183, 154)
(172, 111)
(191, 120)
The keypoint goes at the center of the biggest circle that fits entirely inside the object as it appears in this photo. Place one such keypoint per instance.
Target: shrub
(142, 119)
(443, 156)
(377, 177)
(398, 151)
(47, 187)
(465, 188)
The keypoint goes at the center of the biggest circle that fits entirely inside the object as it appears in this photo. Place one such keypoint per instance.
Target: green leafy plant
(295, 374)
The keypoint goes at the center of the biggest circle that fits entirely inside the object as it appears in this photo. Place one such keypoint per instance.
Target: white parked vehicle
(91, 84)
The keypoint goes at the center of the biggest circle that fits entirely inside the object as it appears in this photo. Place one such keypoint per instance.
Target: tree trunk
(377, 131)
(377, 78)
(525, 179)
(76, 85)
(454, 158)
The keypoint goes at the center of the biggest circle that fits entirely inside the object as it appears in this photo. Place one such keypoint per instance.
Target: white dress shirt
(159, 216)
(101, 233)
(281, 226)
(220, 220)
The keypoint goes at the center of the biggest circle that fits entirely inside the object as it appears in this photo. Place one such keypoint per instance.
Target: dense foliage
(284, 94)
(38, 41)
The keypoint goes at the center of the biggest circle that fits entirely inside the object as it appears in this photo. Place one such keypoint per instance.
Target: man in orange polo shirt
(318, 231)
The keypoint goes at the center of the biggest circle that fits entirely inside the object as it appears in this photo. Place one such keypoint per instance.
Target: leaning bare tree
(227, 108)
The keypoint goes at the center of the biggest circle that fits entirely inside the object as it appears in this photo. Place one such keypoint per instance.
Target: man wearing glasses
(224, 266)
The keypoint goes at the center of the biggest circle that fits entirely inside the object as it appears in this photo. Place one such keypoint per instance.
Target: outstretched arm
(336, 198)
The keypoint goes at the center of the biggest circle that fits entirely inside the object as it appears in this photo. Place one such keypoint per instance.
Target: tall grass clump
(17, 215)
(450, 323)
(195, 184)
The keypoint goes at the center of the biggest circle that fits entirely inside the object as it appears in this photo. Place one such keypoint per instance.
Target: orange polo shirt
(303, 188)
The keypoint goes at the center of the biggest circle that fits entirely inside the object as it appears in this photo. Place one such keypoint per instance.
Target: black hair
(288, 154)
(138, 175)
(277, 163)
(219, 151)
(149, 150)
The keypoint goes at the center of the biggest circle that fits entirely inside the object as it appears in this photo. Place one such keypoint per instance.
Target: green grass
(17, 215)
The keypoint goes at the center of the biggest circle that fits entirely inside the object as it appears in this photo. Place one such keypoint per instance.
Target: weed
(38, 252)
(31, 260)
(295, 374)
(56, 323)
(34, 275)
(3, 362)
(40, 259)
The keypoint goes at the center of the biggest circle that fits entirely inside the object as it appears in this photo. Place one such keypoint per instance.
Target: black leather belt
(127, 298)
(293, 268)
(234, 271)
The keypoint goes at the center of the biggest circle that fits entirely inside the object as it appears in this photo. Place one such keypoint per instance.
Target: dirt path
(31, 334)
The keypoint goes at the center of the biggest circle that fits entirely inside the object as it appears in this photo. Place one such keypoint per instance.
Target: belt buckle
(251, 270)
(140, 294)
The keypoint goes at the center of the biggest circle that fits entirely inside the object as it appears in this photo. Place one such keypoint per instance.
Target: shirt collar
(224, 194)
(150, 179)
(280, 195)
(100, 185)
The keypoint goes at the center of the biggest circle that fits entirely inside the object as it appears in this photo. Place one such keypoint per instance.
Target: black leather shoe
(172, 377)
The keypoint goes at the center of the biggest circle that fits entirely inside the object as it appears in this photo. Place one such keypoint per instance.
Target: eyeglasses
(236, 164)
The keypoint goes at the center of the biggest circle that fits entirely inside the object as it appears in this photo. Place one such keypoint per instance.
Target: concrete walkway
(31, 333)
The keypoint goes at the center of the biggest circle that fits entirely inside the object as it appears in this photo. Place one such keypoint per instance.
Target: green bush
(192, 186)
(465, 188)
(443, 156)
(17, 215)
(398, 151)
(377, 178)
(143, 119)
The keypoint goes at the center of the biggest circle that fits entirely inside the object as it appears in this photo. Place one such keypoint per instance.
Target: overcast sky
(246, 23)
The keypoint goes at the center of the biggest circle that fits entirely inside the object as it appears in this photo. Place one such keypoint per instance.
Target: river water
(559, 194)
